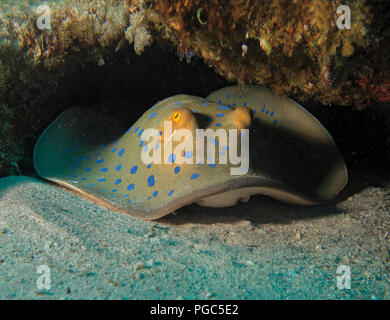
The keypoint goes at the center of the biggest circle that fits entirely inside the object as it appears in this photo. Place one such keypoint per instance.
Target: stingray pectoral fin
(292, 146)
(65, 143)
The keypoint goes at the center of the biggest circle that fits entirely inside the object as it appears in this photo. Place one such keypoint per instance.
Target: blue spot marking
(100, 161)
(149, 165)
(97, 154)
(267, 112)
(228, 95)
(170, 193)
(87, 169)
(83, 179)
(103, 190)
(152, 115)
(212, 139)
(141, 143)
(130, 187)
(224, 107)
(155, 193)
(219, 115)
(140, 133)
(195, 111)
(234, 104)
(145, 148)
(74, 176)
(219, 101)
(118, 167)
(178, 106)
(150, 197)
(212, 165)
(102, 179)
(177, 170)
(73, 167)
(79, 159)
(245, 104)
(126, 196)
(218, 124)
(121, 152)
(118, 181)
(91, 184)
(151, 181)
(102, 146)
(272, 113)
(113, 190)
(195, 176)
(104, 170)
(113, 150)
(204, 105)
(136, 129)
(188, 154)
(254, 111)
(262, 110)
(86, 158)
(275, 121)
(134, 169)
(172, 158)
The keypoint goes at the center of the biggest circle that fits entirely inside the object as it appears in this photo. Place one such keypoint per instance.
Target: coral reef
(293, 47)
(80, 29)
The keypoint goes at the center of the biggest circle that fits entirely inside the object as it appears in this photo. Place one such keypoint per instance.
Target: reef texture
(39, 68)
(293, 47)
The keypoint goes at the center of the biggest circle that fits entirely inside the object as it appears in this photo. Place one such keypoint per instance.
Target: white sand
(260, 250)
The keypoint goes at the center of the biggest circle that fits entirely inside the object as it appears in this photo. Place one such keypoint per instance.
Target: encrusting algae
(294, 47)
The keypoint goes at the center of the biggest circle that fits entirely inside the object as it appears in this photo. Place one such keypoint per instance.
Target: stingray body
(292, 157)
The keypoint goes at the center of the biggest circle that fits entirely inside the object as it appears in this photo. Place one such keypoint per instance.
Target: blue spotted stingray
(292, 156)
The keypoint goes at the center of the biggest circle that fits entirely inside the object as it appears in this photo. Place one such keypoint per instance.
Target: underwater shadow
(259, 210)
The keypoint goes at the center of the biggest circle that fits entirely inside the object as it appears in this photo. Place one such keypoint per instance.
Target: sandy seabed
(263, 249)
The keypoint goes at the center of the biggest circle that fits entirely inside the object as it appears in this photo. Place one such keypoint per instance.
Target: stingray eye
(176, 117)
